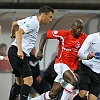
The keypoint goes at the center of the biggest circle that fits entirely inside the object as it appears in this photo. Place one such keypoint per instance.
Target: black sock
(77, 97)
(24, 92)
(14, 92)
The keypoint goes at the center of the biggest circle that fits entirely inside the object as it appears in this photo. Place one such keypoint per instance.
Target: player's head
(77, 27)
(0, 29)
(46, 14)
(3, 49)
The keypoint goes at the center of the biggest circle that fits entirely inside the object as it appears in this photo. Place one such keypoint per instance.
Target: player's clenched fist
(39, 55)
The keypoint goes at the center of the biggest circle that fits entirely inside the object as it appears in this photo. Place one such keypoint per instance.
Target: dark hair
(3, 45)
(46, 9)
(77, 21)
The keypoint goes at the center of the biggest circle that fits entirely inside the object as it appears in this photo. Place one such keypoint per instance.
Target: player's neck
(39, 19)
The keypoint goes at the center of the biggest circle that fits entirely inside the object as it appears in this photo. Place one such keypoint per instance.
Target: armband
(1, 57)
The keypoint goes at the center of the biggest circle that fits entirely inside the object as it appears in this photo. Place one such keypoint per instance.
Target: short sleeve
(55, 34)
(28, 26)
(21, 22)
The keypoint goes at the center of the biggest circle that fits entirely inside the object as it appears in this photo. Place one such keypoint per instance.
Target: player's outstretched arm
(41, 46)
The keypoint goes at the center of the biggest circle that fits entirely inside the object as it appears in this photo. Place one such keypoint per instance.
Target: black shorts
(20, 67)
(89, 80)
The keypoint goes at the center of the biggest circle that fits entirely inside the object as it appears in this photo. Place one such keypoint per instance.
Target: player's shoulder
(65, 32)
(84, 35)
(68, 32)
(32, 19)
(94, 34)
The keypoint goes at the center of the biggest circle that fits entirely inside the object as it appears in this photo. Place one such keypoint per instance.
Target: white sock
(67, 92)
(44, 96)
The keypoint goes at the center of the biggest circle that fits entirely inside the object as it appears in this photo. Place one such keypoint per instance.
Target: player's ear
(43, 14)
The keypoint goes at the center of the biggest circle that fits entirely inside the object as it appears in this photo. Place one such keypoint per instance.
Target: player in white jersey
(90, 72)
(25, 38)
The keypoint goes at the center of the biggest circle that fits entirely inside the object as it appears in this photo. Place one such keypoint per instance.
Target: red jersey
(68, 46)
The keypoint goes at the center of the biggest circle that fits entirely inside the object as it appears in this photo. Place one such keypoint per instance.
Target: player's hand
(90, 55)
(39, 79)
(5, 58)
(39, 55)
(20, 54)
(12, 35)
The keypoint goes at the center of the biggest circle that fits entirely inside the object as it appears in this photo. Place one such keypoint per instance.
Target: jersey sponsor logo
(78, 45)
(55, 32)
(93, 42)
(27, 25)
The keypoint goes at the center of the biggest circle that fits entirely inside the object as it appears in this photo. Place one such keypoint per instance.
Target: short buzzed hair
(46, 9)
(79, 21)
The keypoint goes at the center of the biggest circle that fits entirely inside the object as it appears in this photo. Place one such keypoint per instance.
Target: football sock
(44, 96)
(14, 92)
(41, 97)
(24, 92)
(67, 92)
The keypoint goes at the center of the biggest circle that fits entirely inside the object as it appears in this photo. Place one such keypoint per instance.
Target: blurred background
(65, 12)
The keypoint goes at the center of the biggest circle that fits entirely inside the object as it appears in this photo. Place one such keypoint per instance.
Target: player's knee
(74, 82)
(52, 94)
(82, 93)
(19, 81)
(28, 80)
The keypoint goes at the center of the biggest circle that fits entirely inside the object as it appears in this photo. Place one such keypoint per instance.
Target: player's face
(77, 29)
(3, 51)
(47, 18)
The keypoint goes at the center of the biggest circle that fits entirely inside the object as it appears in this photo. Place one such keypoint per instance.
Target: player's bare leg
(69, 77)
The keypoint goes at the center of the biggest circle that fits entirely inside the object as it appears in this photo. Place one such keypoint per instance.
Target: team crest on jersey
(55, 32)
(78, 45)
(27, 25)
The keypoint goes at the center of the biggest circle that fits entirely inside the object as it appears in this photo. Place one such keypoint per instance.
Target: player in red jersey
(66, 61)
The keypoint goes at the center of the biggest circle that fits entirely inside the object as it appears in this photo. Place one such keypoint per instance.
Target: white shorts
(60, 68)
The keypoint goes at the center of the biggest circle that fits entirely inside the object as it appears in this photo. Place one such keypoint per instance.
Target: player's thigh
(84, 82)
(65, 73)
(60, 70)
(70, 77)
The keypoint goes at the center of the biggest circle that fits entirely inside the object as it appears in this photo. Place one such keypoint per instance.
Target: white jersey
(91, 44)
(30, 25)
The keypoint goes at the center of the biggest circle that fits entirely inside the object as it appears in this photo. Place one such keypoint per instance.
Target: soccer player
(19, 52)
(66, 61)
(90, 68)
